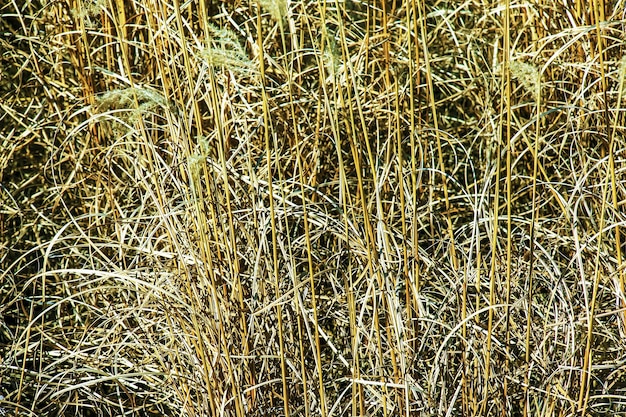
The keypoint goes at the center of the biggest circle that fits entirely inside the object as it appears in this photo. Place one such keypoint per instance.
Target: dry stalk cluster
(301, 208)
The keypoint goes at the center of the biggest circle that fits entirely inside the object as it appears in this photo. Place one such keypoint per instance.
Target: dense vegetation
(322, 208)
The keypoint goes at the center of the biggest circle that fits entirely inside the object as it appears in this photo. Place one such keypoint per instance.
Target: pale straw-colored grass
(312, 209)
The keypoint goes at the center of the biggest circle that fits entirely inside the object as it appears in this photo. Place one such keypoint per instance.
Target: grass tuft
(312, 209)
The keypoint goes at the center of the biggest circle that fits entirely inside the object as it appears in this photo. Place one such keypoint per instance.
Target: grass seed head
(528, 75)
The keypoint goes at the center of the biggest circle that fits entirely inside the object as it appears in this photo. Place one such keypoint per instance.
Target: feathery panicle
(529, 77)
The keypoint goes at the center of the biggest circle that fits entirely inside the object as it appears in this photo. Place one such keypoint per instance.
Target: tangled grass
(384, 208)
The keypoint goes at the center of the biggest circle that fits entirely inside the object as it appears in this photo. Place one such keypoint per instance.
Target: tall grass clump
(332, 208)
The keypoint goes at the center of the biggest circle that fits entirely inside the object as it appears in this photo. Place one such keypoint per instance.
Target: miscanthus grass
(325, 208)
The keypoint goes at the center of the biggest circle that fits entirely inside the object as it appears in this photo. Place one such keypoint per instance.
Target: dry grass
(312, 208)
